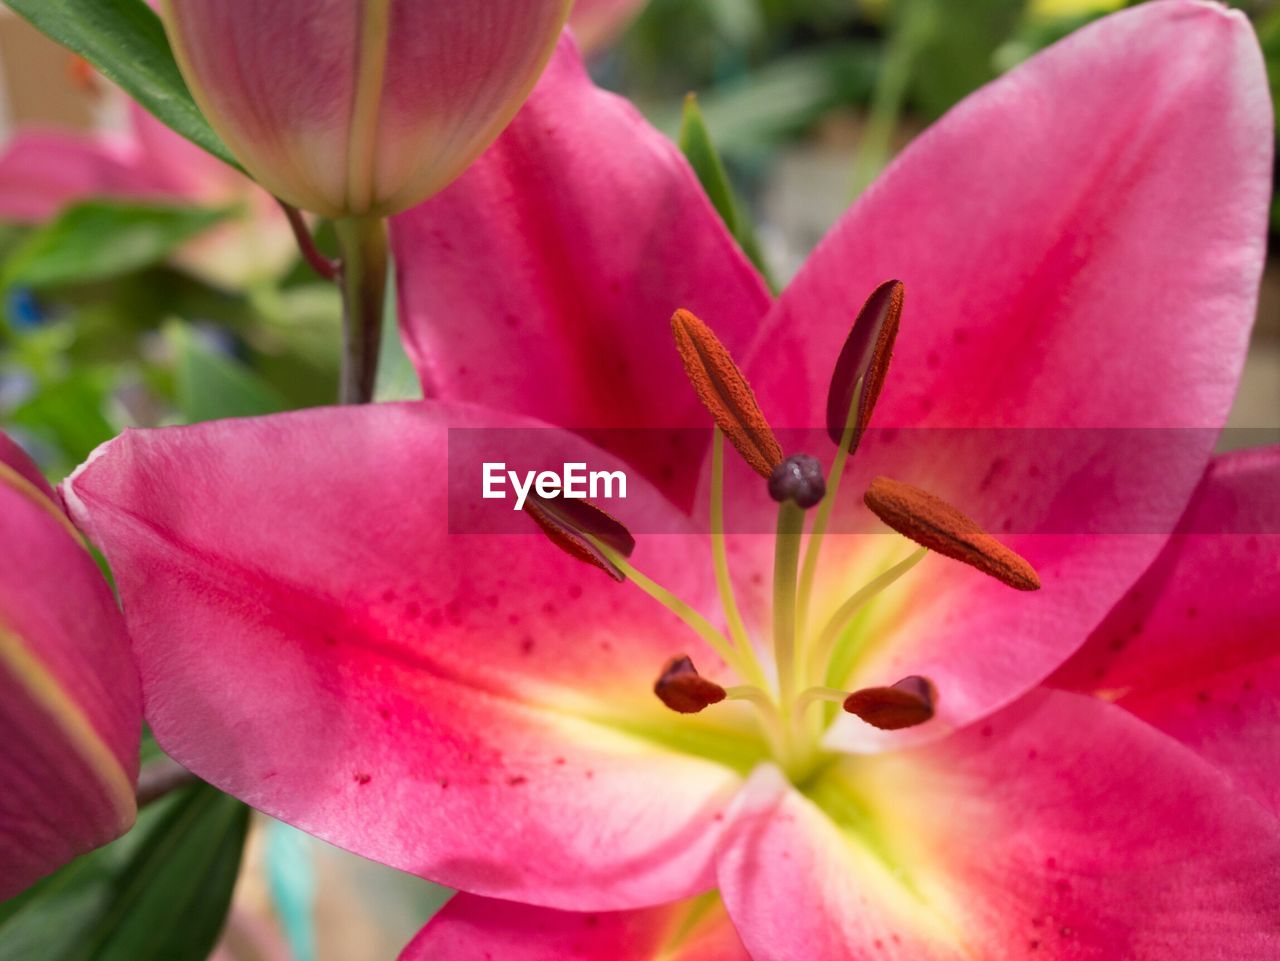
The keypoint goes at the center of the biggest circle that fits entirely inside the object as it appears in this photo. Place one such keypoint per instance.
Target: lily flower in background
(70, 710)
(360, 109)
(856, 752)
(44, 171)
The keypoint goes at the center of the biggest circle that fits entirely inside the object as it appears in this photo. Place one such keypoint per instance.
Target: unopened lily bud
(360, 107)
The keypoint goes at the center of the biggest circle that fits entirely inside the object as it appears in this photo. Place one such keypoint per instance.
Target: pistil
(786, 558)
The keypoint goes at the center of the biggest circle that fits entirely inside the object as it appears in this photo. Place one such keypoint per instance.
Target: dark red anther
(681, 688)
(864, 360)
(908, 703)
(566, 520)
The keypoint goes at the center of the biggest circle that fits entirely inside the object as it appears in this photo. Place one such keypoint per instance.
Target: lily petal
(70, 711)
(561, 307)
(470, 927)
(1192, 647)
(1063, 827)
(1097, 279)
(475, 708)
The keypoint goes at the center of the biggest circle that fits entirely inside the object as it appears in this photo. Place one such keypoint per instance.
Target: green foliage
(160, 893)
(955, 55)
(695, 143)
(126, 41)
(97, 240)
(209, 384)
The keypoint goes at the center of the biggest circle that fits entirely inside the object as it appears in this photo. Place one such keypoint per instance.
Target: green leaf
(160, 893)
(126, 41)
(696, 145)
(98, 240)
(212, 385)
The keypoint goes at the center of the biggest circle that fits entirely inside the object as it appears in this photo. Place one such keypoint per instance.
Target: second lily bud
(360, 107)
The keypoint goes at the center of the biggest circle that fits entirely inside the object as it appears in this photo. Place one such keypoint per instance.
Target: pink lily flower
(43, 171)
(353, 109)
(479, 709)
(70, 710)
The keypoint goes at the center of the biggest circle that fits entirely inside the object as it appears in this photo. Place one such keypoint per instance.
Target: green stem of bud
(362, 242)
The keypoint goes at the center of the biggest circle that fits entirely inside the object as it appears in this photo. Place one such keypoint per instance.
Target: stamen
(932, 522)
(576, 525)
(681, 688)
(814, 694)
(863, 363)
(680, 608)
(836, 623)
(720, 560)
(724, 391)
(798, 479)
(908, 703)
(855, 387)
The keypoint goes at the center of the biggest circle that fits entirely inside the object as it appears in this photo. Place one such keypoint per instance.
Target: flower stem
(322, 265)
(363, 245)
(160, 779)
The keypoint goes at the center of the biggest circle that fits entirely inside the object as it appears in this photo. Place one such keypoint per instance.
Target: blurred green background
(120, 314)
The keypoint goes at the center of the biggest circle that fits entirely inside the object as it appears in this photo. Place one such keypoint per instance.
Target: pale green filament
(681, 609)
(810, 568)
(822, 651)
(770, 720)
(720, 557)
(814, 694)
(786, 557)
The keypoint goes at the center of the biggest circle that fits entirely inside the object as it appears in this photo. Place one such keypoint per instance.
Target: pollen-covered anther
(799, 478)
(935, 524)
(908, 703)
(681, 688)
(725, 393)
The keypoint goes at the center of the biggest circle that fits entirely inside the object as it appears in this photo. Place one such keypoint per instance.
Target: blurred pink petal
(69, 703)
(42, 172)
(470, 927)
